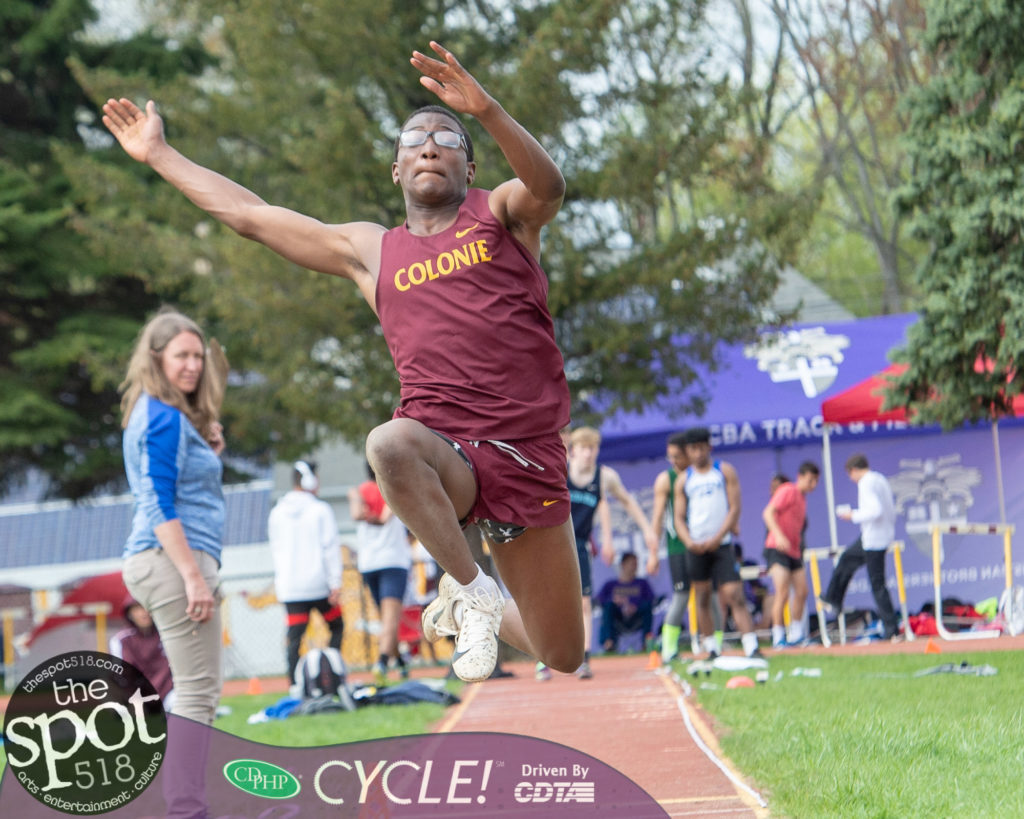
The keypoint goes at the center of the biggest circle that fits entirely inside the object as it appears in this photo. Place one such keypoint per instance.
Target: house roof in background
(797, 292)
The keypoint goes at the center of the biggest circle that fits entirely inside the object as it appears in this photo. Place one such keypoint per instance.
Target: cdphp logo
(262, 779)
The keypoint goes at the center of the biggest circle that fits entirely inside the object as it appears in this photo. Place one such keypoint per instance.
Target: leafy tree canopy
(964, 198)
(69, 312)
(668, 243)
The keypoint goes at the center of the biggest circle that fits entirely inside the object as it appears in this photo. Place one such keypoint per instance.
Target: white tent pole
(830, 496)
(999, 472)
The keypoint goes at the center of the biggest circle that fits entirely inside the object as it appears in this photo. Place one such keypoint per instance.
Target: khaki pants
(193, 649)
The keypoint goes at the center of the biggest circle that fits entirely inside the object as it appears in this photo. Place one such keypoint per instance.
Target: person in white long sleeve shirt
(876, 515)
(305, 546)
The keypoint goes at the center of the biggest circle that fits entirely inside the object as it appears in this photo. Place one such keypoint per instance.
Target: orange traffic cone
(932, 647)
(254, 686)
(653, 661)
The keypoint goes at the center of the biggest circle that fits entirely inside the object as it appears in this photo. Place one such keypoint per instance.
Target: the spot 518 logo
(85, 732)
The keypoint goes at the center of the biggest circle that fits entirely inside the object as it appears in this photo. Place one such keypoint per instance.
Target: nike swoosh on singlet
(549, 502)
(460, 233)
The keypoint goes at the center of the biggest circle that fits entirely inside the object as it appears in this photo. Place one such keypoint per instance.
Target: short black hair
(677, 439)
(808, 467)
(698, 435)
(858, 461)
(439, 109)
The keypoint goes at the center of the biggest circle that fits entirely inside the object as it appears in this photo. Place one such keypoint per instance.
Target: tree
(964, 199)
(68, 314)
(665, 238)
(674, 238)
(854, 60)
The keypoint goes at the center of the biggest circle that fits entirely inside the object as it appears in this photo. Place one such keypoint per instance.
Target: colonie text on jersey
(444, 264)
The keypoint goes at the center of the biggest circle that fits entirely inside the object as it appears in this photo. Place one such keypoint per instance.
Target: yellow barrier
(816, 588)
(691, 613)
(7, 617)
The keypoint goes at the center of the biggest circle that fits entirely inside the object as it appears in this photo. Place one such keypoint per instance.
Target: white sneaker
(476, 646)
(438, 618)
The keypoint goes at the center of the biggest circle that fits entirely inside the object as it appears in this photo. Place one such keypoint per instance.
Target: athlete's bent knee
(565, 658)
(389, 447)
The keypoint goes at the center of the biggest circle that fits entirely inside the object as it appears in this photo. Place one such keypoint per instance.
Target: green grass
(334, 728)
(868, 739)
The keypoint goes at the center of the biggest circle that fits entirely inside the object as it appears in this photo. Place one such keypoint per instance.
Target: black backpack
(321, 672)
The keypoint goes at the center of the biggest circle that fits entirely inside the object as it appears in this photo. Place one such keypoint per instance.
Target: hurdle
(813, 554)
(98, 611)
(938, 530)
(691, 618)
(746, 573)
(901, 590)
(896, 547)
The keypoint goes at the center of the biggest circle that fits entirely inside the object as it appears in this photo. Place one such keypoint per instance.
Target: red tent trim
(863, 402)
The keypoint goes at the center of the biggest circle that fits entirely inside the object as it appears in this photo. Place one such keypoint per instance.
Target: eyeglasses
(443, 139)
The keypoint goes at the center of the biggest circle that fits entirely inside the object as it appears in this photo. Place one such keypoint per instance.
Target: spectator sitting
(627, 605)
(139, 644)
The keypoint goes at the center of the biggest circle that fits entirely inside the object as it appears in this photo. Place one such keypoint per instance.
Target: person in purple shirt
(627, 605)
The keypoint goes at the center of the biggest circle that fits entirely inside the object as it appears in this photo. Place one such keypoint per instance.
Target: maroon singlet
(465, 315)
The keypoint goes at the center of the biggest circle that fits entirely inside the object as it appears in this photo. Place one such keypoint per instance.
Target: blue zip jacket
(173, 473)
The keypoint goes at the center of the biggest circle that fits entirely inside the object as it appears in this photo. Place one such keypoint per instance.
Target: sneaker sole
(477, 674)
(437, 620)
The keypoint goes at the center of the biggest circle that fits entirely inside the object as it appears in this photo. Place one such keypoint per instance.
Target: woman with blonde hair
(172, 443)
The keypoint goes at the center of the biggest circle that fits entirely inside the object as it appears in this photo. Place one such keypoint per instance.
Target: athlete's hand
(139, 132)
(651, 542)
(652, 563)
(446, 77)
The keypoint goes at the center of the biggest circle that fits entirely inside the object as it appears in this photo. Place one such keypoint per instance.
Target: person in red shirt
(785, 516)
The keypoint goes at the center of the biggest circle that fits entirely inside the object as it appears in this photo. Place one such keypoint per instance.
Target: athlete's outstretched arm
(341, 250)
(534, 197)
(661, 489)
(612, 484)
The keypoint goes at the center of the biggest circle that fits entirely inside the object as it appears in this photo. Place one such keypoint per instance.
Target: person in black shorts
(786, 517)
(707, 508)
